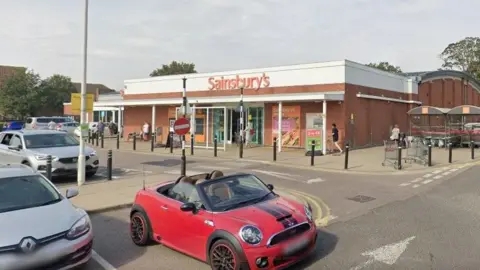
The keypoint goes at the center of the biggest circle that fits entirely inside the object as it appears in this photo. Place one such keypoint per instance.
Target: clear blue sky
(128, 39)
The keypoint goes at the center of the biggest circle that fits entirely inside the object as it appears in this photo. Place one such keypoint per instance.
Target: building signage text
(255, 82)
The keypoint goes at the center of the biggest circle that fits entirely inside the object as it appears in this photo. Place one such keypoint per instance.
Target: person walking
(52, 125)
(100, 128)
(395, 134)
(145, 129)
(335, 137)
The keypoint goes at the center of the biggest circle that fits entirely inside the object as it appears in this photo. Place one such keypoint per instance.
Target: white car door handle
(164, 207)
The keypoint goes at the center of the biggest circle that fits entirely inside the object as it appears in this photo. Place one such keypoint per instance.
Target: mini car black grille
(289, 233)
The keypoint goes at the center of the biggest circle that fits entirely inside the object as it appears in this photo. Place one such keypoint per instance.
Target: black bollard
(152, 142)
(103, 140)
(134, 141)
(275, 149)
(429, 155)
(346, 156)
(450, 153)
(109, 165)
(215, 146)
(96, 138)
(399, 158)
(171, 142)
(49, 167)
(312, 156)
(89, 135)
(118, 141)
(472, 149)
(192, 141)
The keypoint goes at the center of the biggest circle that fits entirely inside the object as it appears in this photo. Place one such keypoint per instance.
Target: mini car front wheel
(139, 229)
(223, 256)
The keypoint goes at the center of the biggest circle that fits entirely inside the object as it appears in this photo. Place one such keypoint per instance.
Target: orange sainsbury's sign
(254, 82)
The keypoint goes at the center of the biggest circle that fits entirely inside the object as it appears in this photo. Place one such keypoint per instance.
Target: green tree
(174, 68)
(19, 95)
(54, 91)
(385, 66)
(463, 55)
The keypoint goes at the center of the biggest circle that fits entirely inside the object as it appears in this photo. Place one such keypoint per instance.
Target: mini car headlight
(251, 234)
(308, 212)
(81, 227)
(43, 157)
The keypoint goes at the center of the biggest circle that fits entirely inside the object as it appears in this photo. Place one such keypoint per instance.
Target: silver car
(40, 228)
(31, 148)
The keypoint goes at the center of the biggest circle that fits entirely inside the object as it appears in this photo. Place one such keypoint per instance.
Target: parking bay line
(284, 176)
(106, 265)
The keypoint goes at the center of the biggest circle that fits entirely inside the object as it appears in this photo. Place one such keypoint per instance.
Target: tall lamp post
(241, 85)
(184, 157)
(83, 103)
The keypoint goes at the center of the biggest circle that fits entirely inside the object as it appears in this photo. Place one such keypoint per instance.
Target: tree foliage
(385, 66)
(174, 68)
(463, 55)
(25, 94)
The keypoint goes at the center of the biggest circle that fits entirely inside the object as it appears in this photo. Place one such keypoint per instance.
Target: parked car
(236, 221)
(40, 228)
(41, 122)
(68, 127)
(92, 126)
(31, 147)
(13, 125)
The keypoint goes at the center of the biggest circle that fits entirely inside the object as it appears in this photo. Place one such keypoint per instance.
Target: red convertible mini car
(230, 222)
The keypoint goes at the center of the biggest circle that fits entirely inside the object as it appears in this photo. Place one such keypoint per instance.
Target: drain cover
(361, 198)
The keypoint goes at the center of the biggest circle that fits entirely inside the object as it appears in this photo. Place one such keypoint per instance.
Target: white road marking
(416, 186)
(437, 171)
(446, 173)
(438, 177)
(417, 180)
(427, 175)
(315, 180)
(135, 170)
(427, 181)
(106, 265)
(454, 170)
(212, 168)
(332, 217)
(405, 184)
(177, 172)
(285, 176)
(387, 254)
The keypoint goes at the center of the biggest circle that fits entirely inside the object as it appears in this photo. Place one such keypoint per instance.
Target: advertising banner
(290, 125)
(314, 123)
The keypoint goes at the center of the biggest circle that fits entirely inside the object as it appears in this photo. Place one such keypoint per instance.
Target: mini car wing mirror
(71, 192)
(188, 207)
(270, 186)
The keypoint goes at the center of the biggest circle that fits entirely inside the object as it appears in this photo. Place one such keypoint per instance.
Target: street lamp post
(241, 86)
(184, 157)
(83, 103)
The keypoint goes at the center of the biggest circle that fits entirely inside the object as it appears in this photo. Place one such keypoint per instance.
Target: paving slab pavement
(361, 161)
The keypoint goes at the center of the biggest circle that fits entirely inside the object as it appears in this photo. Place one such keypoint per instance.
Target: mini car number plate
(296, 246)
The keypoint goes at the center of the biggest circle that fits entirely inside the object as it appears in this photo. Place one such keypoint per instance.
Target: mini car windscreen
(49, 140)
(234, 191)
(24, 192)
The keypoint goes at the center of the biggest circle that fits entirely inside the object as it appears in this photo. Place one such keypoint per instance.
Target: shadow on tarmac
(326, 243)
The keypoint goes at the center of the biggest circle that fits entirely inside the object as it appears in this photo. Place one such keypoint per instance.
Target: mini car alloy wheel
(139, 230)
(223, 256)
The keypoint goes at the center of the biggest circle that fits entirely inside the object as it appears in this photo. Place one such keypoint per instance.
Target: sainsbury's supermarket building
(363, 102)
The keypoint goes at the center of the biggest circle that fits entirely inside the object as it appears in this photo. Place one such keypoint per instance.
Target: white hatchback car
(40, 228)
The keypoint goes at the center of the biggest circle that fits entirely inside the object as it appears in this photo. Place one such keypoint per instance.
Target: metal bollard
(103, 140)
(192, 141)
(450, 153)
(399, 158)
(215, 146)
(96, 139)
(347, 147)
(275, 149)
(171, 142)
(89, 135)
(429, 155)
(152, 142)
(118, 141)
(312, 156)
(472, 149)
(134, 141)
(109, 165)
(49, 167)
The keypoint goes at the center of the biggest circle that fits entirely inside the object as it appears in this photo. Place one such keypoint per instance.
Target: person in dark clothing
(335, 137)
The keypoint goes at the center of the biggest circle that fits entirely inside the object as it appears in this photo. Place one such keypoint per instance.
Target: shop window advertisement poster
(314, 124)
(290, 125)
